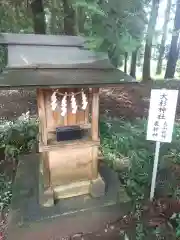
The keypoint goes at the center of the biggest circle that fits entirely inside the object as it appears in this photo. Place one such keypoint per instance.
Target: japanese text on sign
(161, 115)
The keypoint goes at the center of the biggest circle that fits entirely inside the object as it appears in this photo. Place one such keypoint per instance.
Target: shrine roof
(52, 61)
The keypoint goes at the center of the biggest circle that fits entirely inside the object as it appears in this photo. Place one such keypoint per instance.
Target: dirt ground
(15, 102)
(125, 101)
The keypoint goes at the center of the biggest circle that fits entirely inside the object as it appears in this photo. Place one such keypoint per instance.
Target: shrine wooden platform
(28, 220)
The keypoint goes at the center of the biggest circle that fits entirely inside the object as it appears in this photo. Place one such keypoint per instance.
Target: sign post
(160, 123)
(155, 167)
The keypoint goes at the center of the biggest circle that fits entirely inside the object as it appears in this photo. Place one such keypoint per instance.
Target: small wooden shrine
(67, 77)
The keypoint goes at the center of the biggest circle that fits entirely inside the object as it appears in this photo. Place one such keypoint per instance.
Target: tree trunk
(172, 57)
(80, 19)
(56, 23)
(164, 36)
(174, 49)
(69, 18)
(133, 64)
(149, 39)
(38, 16)
(125, 61)
(53, 18)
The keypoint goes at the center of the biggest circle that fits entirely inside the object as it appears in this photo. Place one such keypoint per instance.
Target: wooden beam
(86, 113)
(95, 114)
(42, 116)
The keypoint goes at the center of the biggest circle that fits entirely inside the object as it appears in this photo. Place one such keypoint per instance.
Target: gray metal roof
(41, 40)
(49, 61)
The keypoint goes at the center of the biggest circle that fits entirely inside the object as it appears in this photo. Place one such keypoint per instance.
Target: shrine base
(67, 218)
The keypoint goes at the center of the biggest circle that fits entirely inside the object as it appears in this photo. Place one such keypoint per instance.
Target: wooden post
(95, 114)
(86, 113)
(95, 130)
(95, 150)
(42, 116)
(46, 195)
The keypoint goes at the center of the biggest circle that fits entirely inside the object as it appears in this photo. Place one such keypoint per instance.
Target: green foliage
(127, 139)
(91, 7)
(121, 138)
(5, 191)
(115, 26)
(18, 137)
(3, 62)
(15, 18)
(176, 217)
(178, 66)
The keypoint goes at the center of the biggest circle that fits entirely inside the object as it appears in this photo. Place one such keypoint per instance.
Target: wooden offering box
(67, 77)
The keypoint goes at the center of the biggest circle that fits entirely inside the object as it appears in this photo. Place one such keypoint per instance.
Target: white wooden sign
(162, 112)
(161, 115)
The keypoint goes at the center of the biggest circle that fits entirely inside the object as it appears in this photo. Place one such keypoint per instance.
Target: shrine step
(71, 190)
(95, 188)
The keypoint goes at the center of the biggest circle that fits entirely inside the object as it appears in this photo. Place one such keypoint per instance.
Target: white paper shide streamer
(53, 101)
(73, 104)
(64, 105)
(84, 101)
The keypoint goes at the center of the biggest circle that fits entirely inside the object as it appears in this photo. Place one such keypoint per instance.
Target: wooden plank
(50, 122)
(55, 114)
(95, 187)
(65, 118)
(80, 117)
(42, 116)
(95, 130)
(61, 118)
(86, 115)
(70, 166)
(72, 190)
(71, 118)
(86, 112)
(95, 114)
(68, 145)
(54, 118)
